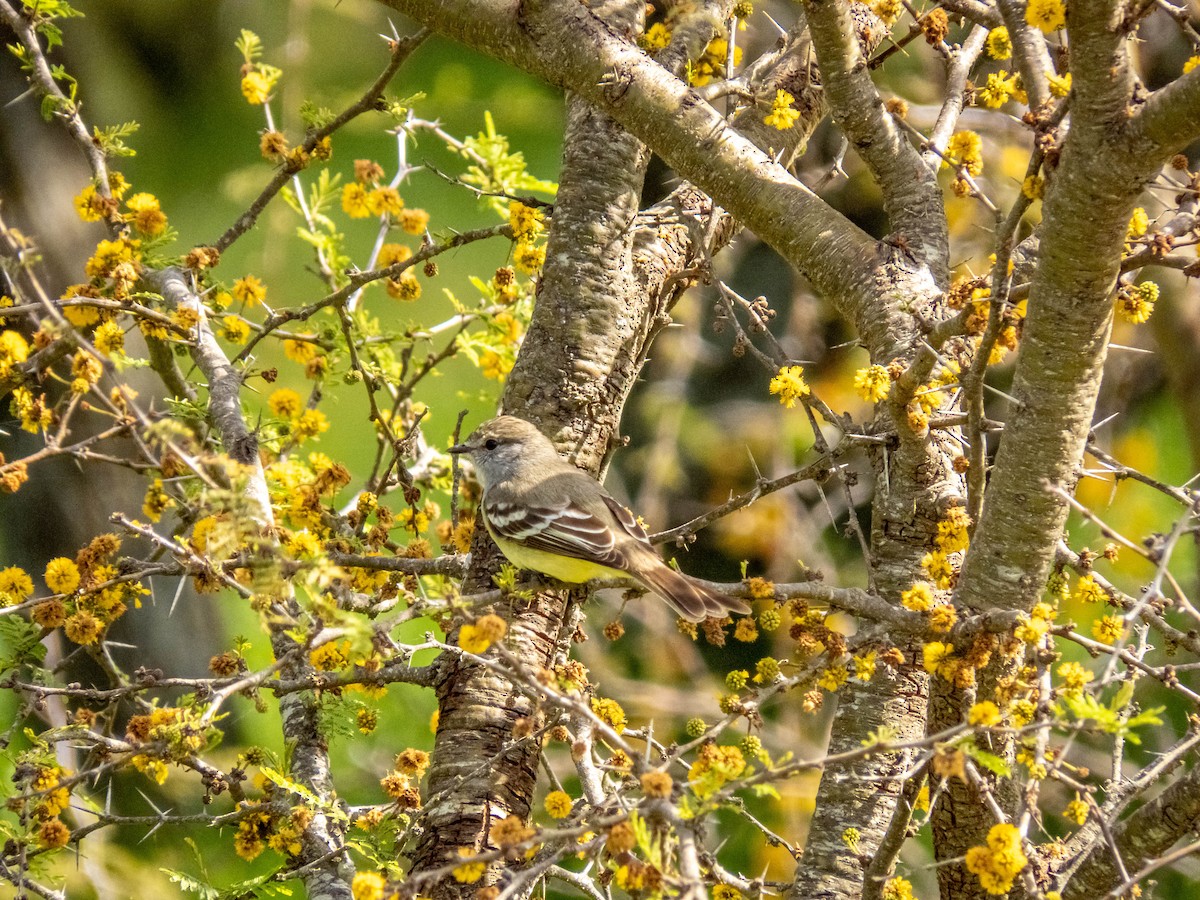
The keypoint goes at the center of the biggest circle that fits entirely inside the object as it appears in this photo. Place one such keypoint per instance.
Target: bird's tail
(688, 597)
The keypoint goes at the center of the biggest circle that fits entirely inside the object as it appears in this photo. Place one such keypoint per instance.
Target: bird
(548, 516)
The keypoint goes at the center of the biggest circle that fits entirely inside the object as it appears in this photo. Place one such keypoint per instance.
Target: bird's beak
(460, 448)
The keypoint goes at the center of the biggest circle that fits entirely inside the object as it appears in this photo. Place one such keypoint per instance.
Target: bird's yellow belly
(564, 568)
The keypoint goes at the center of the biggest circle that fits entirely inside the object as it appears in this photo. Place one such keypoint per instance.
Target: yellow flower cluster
(1047, 15)
(1000, 861)
(146, 215)
(872, 383)
(1060, 85)
(477, 636)
(985, 713)
(715, 767)
(331, 656)
(888, 10)
(999, 89)
(1074, 678)
(1076, 811)
(1087, 590)
(711, 64)
(468, 872)
(1136, 303)
(14, 350)
(527, 224)
(557, 804)
(610, 712)
(790, 385)
(782, 115)
(898, 889)
(657, 37)
(368, 886)
(999, 43)
(1108, 629)
(965, 149)
(250, 290)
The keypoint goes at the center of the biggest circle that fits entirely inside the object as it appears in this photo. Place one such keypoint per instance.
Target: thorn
(782, 31)
(178, 593)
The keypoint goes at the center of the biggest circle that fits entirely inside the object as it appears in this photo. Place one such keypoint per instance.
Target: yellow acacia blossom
(872, 383)
(918, 598)
(146, 215)
(610, 712)
(405, 287)
(1087, 590)
(249, 290)
(477, 636)
(998, 863)
(15, 586)
(833, 677)
(301, 352)
(468, 872)
(888, 10)
(1136, 304)
(354, 201)
(965, 149)
(1074, 678)
(999, 89)
(864, 665)
(1076, 811)
(235, 330)
(938, 567)
(984, 713)
(62, 575)
(14, 350)
(1139, 222)
(1060, 85)
(1047, 15)
(714, 767)
(310, 423)
(782, 115)
(790, 385)
(156, 501)
(937, 658)
(384, 201)
(525, 221)
(413, 221)
(898, 889)
(111, 256)
(368, 886)
(256, 87)
(285, 403)
(89, 205)
(657, 37)
(999, 43)
(1108, 629)
(331, 656)
(557, 804)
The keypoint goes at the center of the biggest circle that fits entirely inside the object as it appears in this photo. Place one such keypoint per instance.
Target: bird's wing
(626, 519)
(556, 527)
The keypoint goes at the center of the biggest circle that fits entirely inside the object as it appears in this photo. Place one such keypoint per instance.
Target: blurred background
(700, 424)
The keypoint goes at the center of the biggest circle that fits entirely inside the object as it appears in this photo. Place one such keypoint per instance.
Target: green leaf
(190, 885)
(112, 139)
(281, 780)
(990, 761)
(249, 45)
(20, 643)
(315, 117)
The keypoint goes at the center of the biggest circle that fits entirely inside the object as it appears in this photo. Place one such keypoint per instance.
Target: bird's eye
(490, 444)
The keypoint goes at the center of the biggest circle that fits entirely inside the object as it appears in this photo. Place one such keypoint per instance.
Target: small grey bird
(546, 515)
